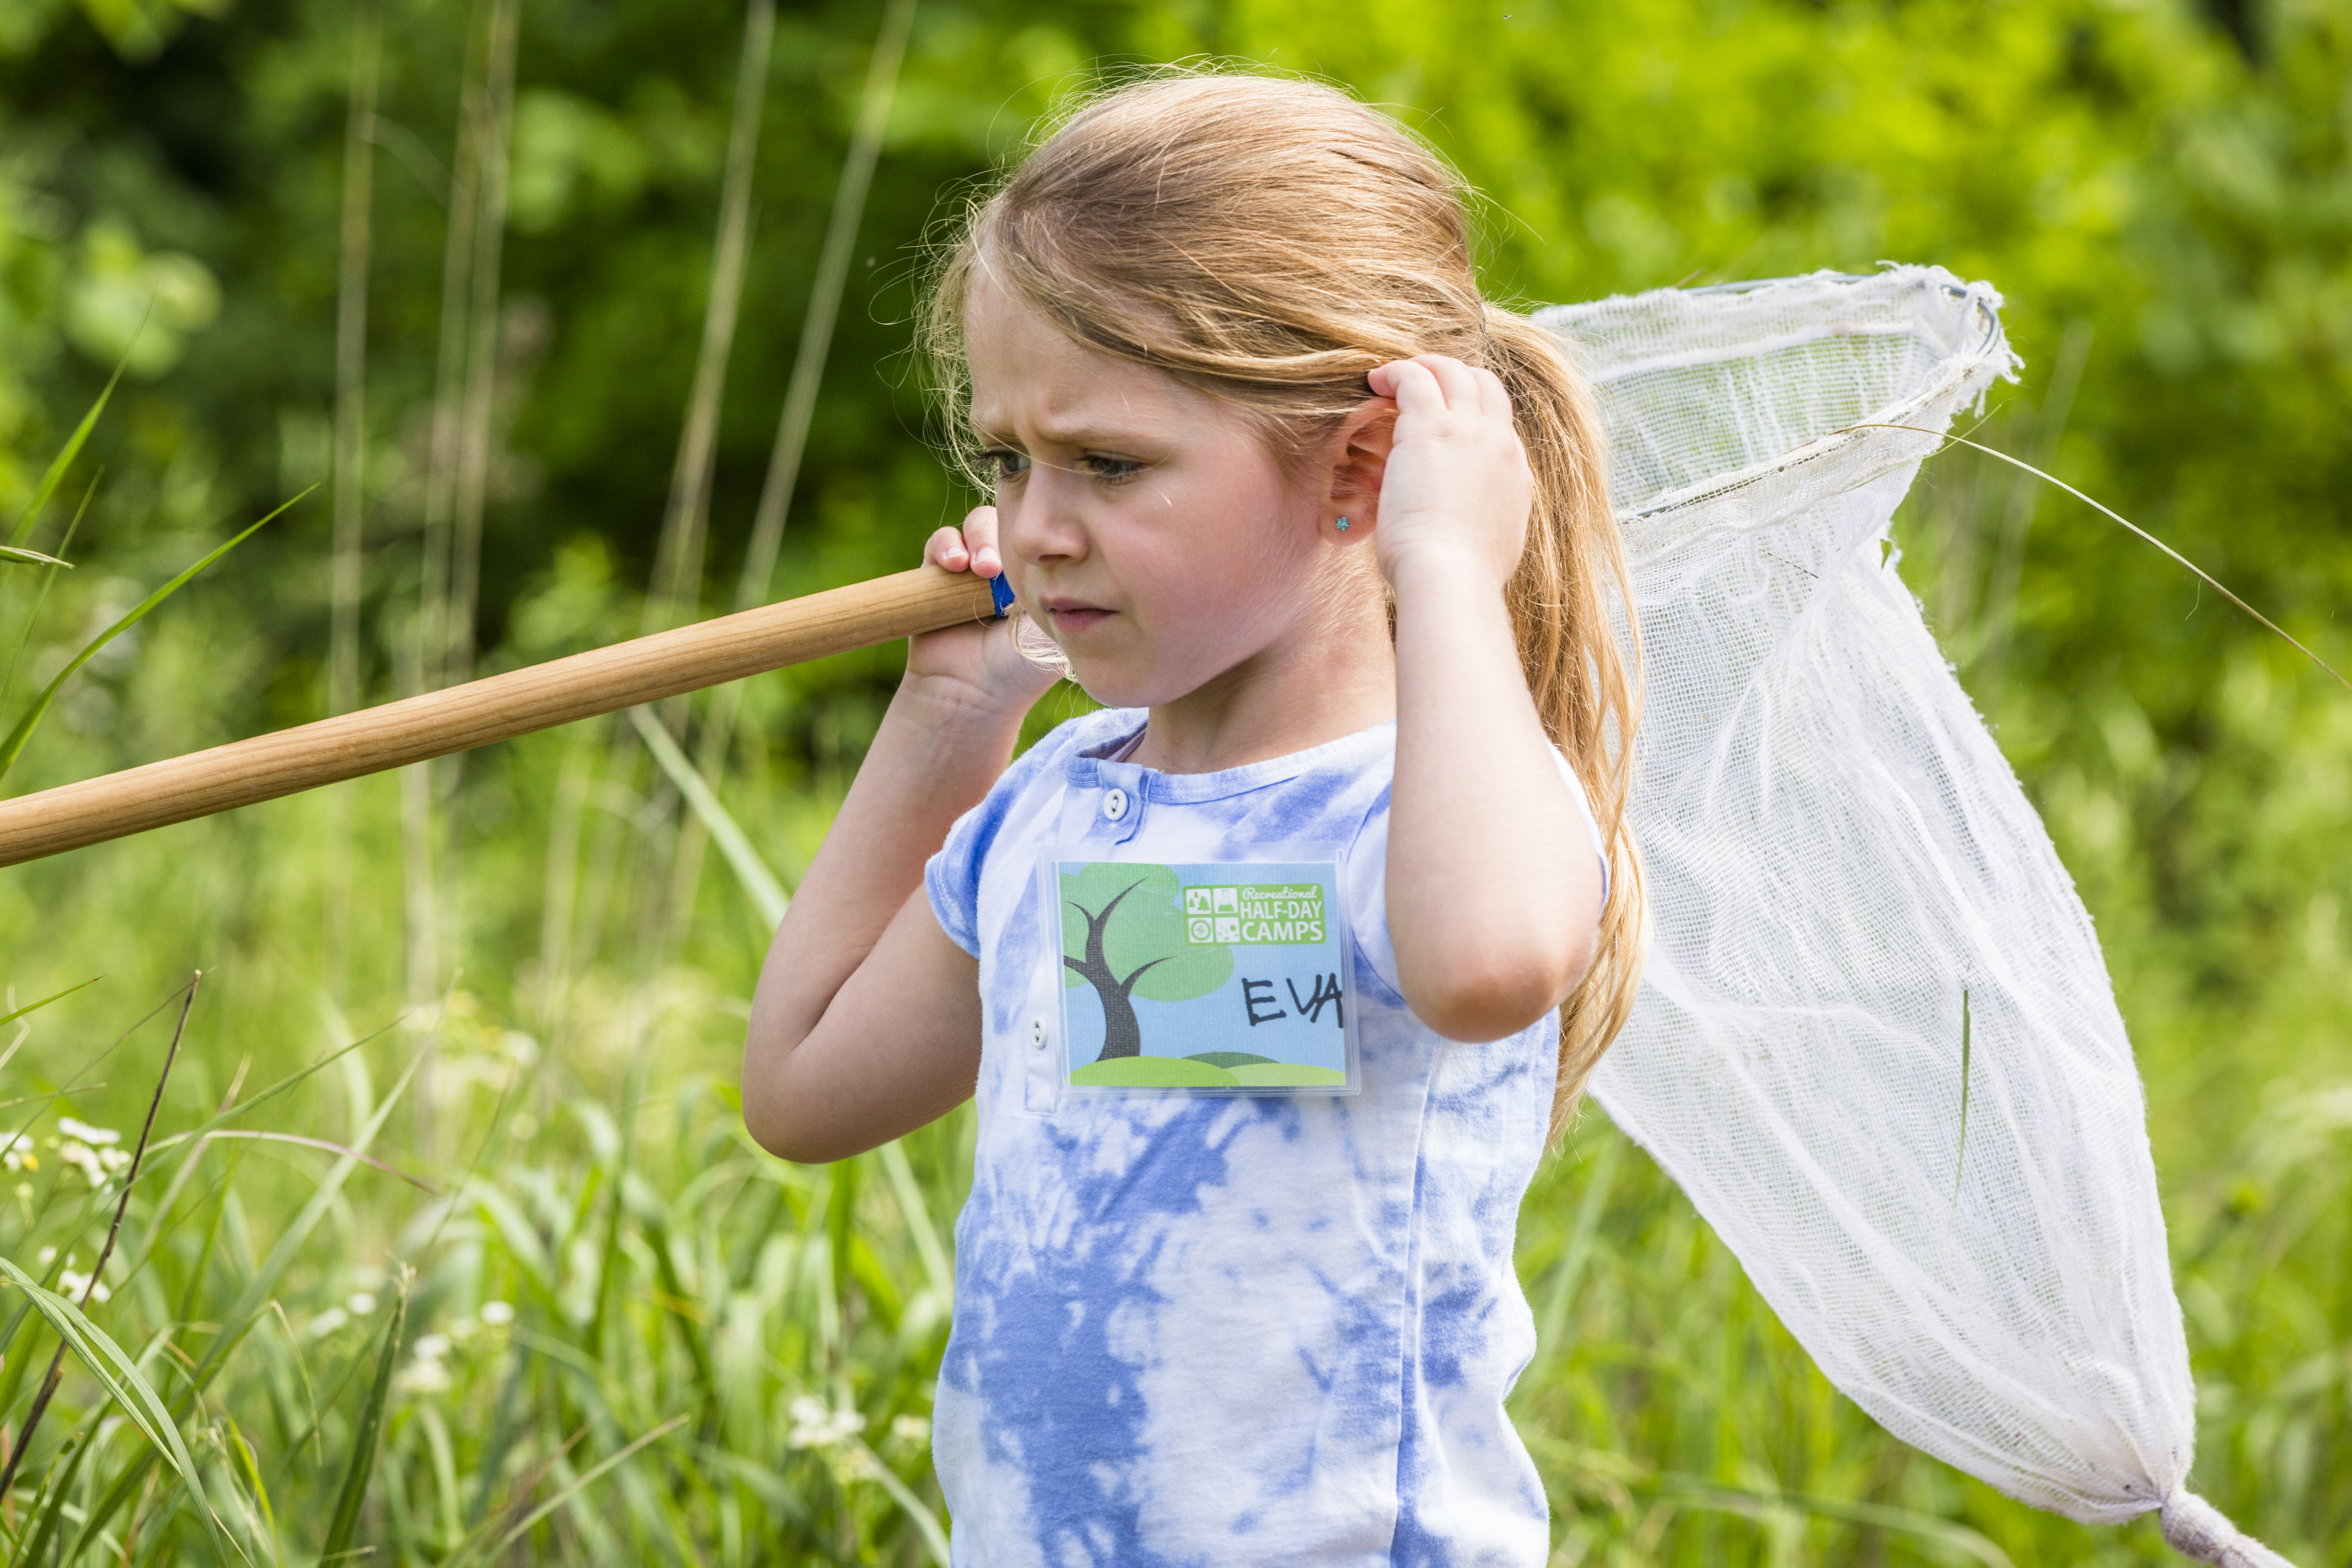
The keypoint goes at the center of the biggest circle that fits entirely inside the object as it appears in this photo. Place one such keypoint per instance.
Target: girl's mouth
(1072, 616)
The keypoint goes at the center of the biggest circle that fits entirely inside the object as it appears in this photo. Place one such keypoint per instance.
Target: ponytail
(1585, 681)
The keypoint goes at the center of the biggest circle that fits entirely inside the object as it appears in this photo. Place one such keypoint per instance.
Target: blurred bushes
(2164, 193)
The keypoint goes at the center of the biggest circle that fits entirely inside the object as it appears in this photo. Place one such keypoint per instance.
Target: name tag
(1202, 976)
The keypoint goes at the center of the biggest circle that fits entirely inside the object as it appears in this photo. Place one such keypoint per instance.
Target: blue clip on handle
(1001, 592)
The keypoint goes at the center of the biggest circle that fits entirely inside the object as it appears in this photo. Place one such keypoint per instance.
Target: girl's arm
(1493, 890)
(866, 1021)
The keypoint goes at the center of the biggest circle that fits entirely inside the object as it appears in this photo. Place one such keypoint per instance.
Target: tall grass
(598, 1325)
(581, 1319)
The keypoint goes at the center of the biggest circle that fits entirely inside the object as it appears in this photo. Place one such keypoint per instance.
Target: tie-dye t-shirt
(1250, 1324)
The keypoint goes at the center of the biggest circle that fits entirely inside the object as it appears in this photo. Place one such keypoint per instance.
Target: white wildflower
(814, 1427)
(497, 1314)
(47, 1255)
(20, 1157)
(432, 1347)
(71, 1284)
(86, 1132)
(361, 1302)
(327, 1322)
(421, 1377)
(86, 1160)
(910, 1428)
(464, 1328)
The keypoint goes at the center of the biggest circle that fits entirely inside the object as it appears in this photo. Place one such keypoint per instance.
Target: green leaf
(41, 600)
(925, 1522)
(474, 1552)
(11, 748)
(57, 470)
(36, 1007)
(22, 557)
(759, 884)
(1959, 1159)
(246, 1311)
(366, 1440)
(118, 1376)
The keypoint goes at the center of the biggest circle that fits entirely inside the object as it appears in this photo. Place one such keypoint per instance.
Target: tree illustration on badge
(1132, 945)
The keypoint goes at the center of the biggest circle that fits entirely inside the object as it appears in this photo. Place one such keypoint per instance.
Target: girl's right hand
(975, 665)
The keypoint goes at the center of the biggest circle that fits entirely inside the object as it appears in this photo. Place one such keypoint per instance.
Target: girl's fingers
(1410, 383)
(1459, 389)
(945, 547)
(1459, 381)
(980, 535)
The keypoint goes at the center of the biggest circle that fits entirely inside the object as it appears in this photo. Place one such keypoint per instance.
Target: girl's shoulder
(952, 875)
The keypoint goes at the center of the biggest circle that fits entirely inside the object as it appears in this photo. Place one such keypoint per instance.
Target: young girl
(1272, 978)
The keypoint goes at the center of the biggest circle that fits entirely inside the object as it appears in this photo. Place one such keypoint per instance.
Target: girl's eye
(1009, 464)
(1112, 469)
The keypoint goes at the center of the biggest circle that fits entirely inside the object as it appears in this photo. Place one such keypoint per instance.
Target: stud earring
(1343, 525)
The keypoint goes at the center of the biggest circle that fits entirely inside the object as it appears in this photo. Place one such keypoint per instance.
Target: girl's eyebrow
(1063, 436)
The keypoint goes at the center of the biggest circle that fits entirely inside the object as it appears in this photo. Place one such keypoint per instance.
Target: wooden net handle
(499, 708)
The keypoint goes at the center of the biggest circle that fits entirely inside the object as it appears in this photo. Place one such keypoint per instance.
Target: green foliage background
(2162, 189)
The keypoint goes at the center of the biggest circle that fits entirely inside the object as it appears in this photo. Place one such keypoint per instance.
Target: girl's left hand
(1456, 482)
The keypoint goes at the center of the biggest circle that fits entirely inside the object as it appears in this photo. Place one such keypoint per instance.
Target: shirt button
(1037, 1033)
(1115, 804)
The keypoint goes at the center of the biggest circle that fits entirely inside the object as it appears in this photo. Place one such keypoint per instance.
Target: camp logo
(1246, 914)
(1224, 977)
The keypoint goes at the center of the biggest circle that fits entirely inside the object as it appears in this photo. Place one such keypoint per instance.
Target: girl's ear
(1358, 455)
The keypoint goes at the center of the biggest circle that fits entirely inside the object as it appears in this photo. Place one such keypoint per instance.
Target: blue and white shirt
(1201, 1317)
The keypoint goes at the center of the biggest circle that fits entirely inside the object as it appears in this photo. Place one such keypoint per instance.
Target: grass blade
(366, 1440)
(18, 556)
(41, 600)
(64, 460)
(1689, 1491)
(198, 1135)
(467, 1556)
(14, 745)
(113, 1234)
(58, 1485)
(759, 883)
(118, 1376)
(937, 1268)
(331, 1147)
(7, 1018)
(2202, 576)
(934, 1538)
(239, 1318)
(1959, 1159)
(246, 1311)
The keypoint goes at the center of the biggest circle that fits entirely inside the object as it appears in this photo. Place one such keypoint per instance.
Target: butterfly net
(1876, 1044)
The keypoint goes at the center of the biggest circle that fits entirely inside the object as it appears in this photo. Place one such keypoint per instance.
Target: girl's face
(1144, 523)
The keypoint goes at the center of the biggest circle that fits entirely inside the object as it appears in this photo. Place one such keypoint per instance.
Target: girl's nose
(1044, 524)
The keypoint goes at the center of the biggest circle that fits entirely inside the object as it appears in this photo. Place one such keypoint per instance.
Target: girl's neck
(1332, 674)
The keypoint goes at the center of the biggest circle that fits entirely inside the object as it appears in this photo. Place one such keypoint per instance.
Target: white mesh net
(1847, 884)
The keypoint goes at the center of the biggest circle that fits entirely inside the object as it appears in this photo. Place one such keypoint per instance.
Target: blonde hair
(1270, 241)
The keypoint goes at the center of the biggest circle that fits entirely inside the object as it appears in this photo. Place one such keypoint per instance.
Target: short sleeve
(951, 876)
(1367, 879)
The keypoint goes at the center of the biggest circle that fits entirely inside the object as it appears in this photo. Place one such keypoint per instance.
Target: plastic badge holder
(1203, 974)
